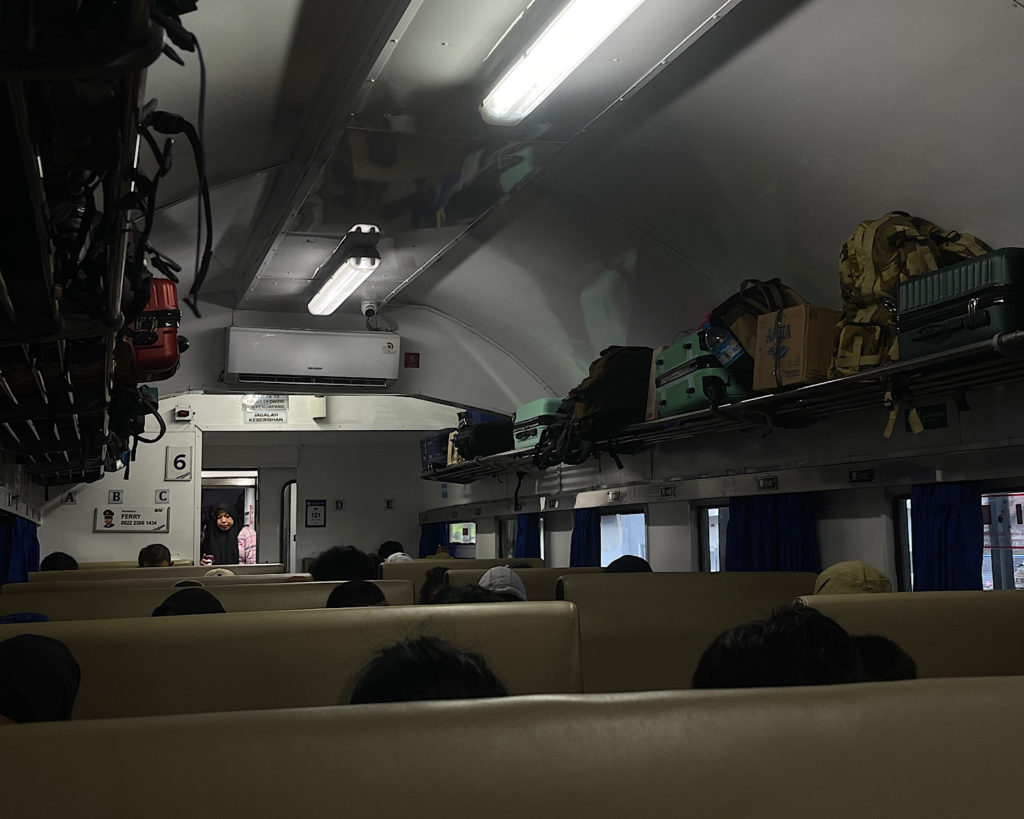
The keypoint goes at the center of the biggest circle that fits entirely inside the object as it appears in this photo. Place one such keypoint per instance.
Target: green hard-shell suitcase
(967, 302)
(699, 389)
(532, 419)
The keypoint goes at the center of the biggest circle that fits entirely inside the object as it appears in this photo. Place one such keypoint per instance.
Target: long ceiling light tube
(359, 258)
(567, 41)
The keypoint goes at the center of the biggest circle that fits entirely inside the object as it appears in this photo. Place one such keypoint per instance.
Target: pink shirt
(246, 545)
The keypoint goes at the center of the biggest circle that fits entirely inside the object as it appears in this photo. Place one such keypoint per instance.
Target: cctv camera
(369, 308)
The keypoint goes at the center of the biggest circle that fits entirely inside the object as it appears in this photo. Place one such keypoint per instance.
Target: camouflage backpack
(879, 255)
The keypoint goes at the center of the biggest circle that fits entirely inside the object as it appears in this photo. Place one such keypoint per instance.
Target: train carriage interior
(637, 354)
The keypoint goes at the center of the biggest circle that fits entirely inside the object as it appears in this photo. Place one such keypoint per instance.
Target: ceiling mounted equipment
(354, 261)
(567, 40)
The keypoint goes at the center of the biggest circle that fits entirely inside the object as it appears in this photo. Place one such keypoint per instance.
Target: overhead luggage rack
(997, 360)
(57, 329)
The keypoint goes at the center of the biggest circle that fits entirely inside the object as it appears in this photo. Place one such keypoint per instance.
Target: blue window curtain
(772, 533)
(528, 535)
(433, 535)
(586, 538)
(19, 549)
(948, 537)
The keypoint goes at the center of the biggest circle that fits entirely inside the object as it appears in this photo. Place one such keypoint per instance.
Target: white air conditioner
(311, 358)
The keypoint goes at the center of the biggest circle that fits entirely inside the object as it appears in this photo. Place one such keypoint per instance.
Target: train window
(509, 530)
(623, 533)
(712, 522)
(1002, 557)
(463, 534)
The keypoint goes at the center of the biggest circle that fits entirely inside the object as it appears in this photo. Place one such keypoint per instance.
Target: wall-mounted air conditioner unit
(311, 358)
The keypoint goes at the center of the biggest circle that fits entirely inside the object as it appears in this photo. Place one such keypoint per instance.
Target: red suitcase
(152, 348)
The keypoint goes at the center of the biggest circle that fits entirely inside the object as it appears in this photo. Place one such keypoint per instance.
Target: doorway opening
(236, 492)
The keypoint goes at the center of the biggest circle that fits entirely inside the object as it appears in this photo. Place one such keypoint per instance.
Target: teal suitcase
(532, 419)
(698, 389)
(689, 353)
(964, 303)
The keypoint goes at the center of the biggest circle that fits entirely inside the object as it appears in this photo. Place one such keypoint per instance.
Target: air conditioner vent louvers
(310, 380)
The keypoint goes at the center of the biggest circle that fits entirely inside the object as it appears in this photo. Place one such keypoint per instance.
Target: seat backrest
(148, 583)
(647, 631)
(949, 634)
(416, 570)
(101, 604)
(153, 571)
(539, 583)
(254, 660)
(943, 749)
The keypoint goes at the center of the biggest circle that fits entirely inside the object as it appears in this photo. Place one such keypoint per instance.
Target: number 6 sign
(178, 464)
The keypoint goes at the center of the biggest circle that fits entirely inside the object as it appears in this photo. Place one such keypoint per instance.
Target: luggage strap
(896, 400)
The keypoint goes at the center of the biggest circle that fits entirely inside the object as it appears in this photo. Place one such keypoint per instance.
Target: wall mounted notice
(149, 519)
(178, 463)
(265, 409)
(316, 514)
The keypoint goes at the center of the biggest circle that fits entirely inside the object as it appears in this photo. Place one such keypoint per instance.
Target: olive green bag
(879, 255)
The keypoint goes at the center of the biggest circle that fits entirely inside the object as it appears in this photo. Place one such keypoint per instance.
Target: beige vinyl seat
(416, 570)
(647, 631)
(96, 604)
(180, 572)
(949, 634)
(149, 583)
(942, 749)
(539, 583)
(232, 662)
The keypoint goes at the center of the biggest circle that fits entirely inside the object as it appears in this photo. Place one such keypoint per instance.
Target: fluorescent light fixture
(352, 273)
(566, 42)
(357, 258)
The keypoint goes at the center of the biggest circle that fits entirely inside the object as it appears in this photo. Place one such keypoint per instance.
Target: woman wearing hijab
(220, 541)
(38, 679)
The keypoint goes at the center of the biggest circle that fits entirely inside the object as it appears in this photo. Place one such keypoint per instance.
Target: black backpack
(613, 396)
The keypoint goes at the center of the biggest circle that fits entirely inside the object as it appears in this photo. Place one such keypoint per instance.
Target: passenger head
(851, 577)
(628, 564)
(341, 563)
(223, 519)
(356, 593)
(189, 601)
(58, 562)
(504, 582)
(470, 593)
(425, 669)
(156, 554)
(219, 572)
(432, 584)
(884, 660)
(398, 557)
(184, 584)
(795, 645)
(38, 679)
(388, 548)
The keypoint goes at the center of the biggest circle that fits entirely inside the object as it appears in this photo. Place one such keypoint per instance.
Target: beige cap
(851, 577)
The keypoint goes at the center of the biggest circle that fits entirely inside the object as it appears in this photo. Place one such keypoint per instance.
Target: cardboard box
(794, 346)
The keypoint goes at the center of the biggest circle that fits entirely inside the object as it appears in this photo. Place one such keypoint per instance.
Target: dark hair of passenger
(795, 645)
(356, 593)
(628, 564)
(518, 566)
(184, 584)
(388, 548)
(341, 563)
(470, 593)
(426, 668)
(58, 562)
(38, 679)
(189, 601)
(154, 555)
(884, 660)
(432, 584)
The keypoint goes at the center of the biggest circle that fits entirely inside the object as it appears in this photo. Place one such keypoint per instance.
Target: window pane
(623, 535)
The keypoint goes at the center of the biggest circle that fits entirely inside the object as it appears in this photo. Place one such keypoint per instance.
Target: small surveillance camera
(369, 308)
